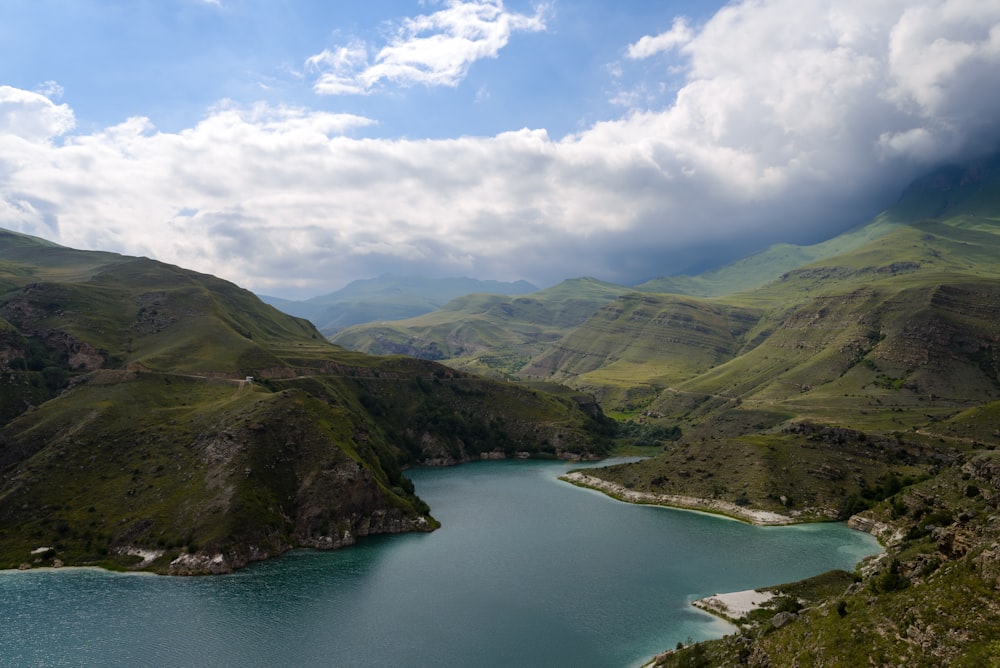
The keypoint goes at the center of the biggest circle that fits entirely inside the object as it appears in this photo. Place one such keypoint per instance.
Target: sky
(292, 146)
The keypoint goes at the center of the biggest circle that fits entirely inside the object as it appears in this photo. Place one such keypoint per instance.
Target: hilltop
(159, 418)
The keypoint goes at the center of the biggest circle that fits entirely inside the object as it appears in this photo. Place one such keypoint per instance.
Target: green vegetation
(930, 601)
(492, 335)
(132, 439)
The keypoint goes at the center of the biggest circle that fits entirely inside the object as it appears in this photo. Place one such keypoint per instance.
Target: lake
(526, 570)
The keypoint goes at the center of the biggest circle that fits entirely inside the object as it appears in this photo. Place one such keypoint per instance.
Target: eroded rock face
(886, 533)
(199, 563)
(337, 505)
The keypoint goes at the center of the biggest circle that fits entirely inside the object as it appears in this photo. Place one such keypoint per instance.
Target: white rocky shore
(759, 517)
(734, 606)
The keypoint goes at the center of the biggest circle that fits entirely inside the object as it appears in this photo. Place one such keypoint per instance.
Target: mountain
(448, 336)
(389, 297)
(858, 379)
(158, 418)
(862, 384)
(489, 334)
(917, 305)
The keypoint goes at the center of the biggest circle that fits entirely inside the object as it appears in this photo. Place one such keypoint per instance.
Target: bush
(891, 579)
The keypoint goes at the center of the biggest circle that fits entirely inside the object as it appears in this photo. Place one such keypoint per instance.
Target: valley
(164, 420)
(855, 379)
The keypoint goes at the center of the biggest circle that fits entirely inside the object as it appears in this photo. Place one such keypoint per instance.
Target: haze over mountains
(490, 334)
(388, 297)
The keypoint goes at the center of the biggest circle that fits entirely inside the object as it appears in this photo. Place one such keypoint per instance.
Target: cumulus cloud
(794, 120)
(650, 45)
(32, 116)
(434, 49)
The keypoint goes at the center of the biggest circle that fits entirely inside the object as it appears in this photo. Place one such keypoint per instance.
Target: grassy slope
(489, 334)
(157, 443)
(762, 268)
(885, 321)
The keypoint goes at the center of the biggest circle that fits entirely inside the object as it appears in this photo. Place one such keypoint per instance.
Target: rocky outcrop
(338, 505)
(885, 533)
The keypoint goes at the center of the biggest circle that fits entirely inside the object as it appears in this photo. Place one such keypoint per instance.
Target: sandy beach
(735, 605)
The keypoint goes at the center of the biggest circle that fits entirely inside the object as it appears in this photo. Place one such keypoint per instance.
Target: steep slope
(131, 435)
(907, 322)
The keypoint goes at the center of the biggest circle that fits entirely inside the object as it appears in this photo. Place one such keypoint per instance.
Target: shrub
(890, 579)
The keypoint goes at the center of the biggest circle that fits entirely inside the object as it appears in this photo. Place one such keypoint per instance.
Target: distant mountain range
(620, 341)
(388, 297)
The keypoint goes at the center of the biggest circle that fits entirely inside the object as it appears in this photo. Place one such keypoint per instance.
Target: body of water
(525, 571)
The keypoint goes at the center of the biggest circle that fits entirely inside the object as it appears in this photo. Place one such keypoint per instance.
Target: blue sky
(292, 146)
(172, 60)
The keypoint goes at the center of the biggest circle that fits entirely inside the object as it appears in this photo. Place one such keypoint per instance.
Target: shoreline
(679, 502)
(70, 569)
(735, 605)
(731, 607)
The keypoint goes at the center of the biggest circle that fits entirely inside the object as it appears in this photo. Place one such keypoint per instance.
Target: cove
(526, 570)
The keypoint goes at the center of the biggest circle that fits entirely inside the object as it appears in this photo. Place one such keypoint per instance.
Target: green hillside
(493, 335)
(511, 338)
(635, 346)
(131, 436)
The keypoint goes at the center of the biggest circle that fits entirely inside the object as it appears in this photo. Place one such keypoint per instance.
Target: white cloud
(648, 46)
(32, 116)
(794, 118)
(434, 49)
(50, 89)
(340, 69)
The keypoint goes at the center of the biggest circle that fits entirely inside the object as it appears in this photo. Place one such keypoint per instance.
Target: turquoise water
(525, 571)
